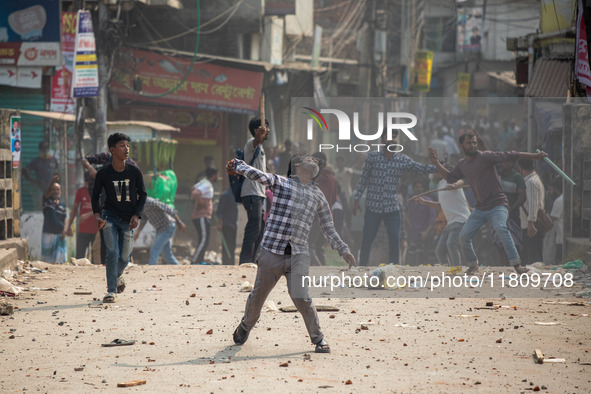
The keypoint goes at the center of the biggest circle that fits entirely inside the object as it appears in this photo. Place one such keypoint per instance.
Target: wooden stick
(538, 356)
(262, 109)
(433, 191)
(131, 383)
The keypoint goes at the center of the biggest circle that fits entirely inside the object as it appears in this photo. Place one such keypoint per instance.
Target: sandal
(119, 342)
(240, 335)
(120, 284)
(322, 347)
(520, 270)
(109, 298)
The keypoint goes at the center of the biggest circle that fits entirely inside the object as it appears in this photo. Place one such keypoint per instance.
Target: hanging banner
(208, 86)
(15, 140)
(61, 82)
(85, 79)
(468, 30)
(423, 68)
(582, 70)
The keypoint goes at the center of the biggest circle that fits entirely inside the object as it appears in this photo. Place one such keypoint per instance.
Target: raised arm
(435, 161)
(240, 167)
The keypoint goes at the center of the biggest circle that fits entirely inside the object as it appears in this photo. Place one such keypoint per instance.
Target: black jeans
(229, 234)
(253, 232)
(83, 241)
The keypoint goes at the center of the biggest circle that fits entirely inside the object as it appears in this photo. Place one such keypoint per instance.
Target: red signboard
(208, 86)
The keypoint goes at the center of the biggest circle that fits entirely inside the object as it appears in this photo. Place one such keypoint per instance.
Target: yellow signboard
(423, 69)
(463, 89)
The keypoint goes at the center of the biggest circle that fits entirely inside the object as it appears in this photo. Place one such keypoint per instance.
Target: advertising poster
(85, 80)
(15, 140)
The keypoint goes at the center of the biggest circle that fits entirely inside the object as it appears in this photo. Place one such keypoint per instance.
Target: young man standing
(534, 201)
(202, 194)
(492, 206)
(284, 248)
(253, 193)
(87, 227)
(125, 198)
(381, 176)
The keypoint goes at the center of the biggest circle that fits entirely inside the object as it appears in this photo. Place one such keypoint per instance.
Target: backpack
(236, 180)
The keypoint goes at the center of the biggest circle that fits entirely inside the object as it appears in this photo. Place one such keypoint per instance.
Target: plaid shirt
(292, 213)
(160, 215)
(382, 176)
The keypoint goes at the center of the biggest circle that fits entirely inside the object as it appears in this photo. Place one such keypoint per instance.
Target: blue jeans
(119, 242)
(162, 244)
(253, 232)
(370, 230)
(497, 217)
(448, 246)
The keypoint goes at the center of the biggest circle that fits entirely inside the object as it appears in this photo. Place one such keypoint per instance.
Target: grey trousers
(271, 267)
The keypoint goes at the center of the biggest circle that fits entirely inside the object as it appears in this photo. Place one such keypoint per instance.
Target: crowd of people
(431, 212)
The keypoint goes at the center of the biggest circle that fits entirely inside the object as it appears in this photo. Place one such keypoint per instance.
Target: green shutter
(32, 132)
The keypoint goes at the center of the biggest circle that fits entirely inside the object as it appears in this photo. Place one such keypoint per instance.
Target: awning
(152, 125)
(551, 78)
(60, 116)
(507, 77)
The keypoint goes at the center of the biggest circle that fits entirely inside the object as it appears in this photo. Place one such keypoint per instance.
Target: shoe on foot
(322, 347)
(240, 335)
(520, 270)
(472, 269)
(109, 298)
(120, 284)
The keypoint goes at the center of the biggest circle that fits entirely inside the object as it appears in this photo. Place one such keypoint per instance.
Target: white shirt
(344, 178)
(557, 212)
(534, 201)
(205, 187)
(251, 188)
(453, 203)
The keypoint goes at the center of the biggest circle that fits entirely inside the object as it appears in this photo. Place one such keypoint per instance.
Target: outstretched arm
(238, 166)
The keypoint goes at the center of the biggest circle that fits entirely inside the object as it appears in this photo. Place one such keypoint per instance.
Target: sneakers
(109, 298)
(472, 269)
(120, 284)
(240, 335)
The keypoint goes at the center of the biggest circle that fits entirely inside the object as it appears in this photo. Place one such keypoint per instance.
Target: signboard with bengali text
(85, 79)
(208, 86)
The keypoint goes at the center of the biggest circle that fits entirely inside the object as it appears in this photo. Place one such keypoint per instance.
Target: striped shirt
(381, 177)
(292, 213)
(159, 214)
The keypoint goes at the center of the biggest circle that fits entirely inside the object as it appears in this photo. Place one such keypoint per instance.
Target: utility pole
(366, 40)
(100, 113)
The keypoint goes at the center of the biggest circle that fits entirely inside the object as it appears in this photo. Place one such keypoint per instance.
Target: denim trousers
(370, 230)
(497, 217)
(163, 244)
(119, 243)
(448, 246)
(253, 232)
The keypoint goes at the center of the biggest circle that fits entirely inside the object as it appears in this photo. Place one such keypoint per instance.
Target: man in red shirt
(87, 227)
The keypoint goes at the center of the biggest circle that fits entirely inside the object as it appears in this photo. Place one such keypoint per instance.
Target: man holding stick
(253, 193)
(491, 203)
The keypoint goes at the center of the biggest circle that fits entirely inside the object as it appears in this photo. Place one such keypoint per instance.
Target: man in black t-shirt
(125, 198)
